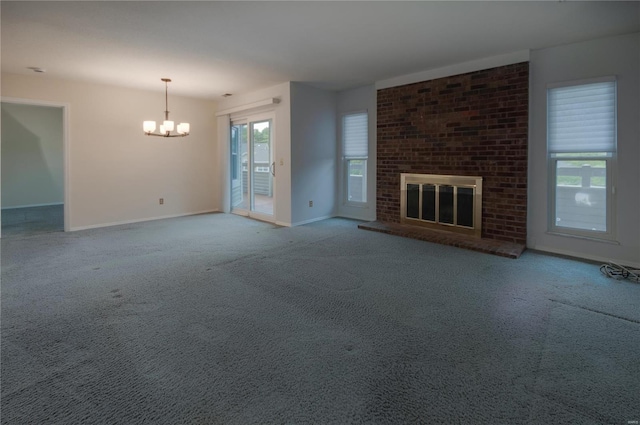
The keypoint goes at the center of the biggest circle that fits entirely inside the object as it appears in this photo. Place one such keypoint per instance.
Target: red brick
(469, 124)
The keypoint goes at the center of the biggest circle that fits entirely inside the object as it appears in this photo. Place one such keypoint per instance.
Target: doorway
(33, 159)
(252, 167)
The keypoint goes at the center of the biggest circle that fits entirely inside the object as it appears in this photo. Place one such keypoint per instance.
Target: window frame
(346, 159)
(610, 158)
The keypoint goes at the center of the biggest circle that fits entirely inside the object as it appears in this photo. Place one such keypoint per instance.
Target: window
(355, 142)
(581, 137)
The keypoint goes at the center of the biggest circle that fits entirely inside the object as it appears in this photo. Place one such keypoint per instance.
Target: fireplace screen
(446, 202)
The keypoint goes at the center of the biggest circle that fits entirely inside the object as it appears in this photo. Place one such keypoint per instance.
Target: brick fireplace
(473, 124)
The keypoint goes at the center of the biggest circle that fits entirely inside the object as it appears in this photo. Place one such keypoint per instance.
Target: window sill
(363, 205)
(587, 238)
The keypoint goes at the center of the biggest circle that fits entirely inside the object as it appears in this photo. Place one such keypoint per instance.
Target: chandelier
(167, 126)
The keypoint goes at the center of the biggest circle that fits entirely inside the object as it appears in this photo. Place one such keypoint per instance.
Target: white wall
(116, 173)
(617, 56)
(455, 69)
(282, 146)
(32, 155)
(313, 153)
(359, 99)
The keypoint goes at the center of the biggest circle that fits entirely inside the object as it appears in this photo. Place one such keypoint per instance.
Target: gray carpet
(32, 220)
(218, 319)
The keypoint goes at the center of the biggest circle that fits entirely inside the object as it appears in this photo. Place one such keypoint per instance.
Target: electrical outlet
(310, 203)
(161, 201)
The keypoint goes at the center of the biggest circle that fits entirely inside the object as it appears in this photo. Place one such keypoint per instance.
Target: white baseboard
(33, 206)
(119, 223)
(579, 255)
(283, 224)
(312, 220)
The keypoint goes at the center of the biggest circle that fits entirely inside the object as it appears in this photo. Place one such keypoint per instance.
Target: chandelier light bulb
(168, 125)
(183, 128)
(149, 126)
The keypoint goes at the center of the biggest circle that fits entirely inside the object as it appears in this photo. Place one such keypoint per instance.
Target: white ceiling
(210, 48)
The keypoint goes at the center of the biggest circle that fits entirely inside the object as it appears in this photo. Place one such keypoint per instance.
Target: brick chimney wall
(473, 124)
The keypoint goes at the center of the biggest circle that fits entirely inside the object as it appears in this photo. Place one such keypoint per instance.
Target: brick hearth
(489, 246)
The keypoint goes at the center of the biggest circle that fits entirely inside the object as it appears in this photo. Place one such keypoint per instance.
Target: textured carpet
(218, 319)
(32, 220)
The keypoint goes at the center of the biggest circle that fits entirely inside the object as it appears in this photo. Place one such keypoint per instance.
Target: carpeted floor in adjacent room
(218, 319)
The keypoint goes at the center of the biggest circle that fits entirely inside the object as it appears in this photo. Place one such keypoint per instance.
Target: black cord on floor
(616, 271)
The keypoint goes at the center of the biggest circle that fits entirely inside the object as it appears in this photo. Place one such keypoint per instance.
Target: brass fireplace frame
(473, 182)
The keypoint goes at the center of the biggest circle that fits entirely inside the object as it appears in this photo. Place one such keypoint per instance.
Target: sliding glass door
(252, 167)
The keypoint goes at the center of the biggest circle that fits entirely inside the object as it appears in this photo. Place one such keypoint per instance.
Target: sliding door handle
(273, 168)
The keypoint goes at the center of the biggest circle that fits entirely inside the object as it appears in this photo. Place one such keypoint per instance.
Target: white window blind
(355, 136)
(582, 118)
